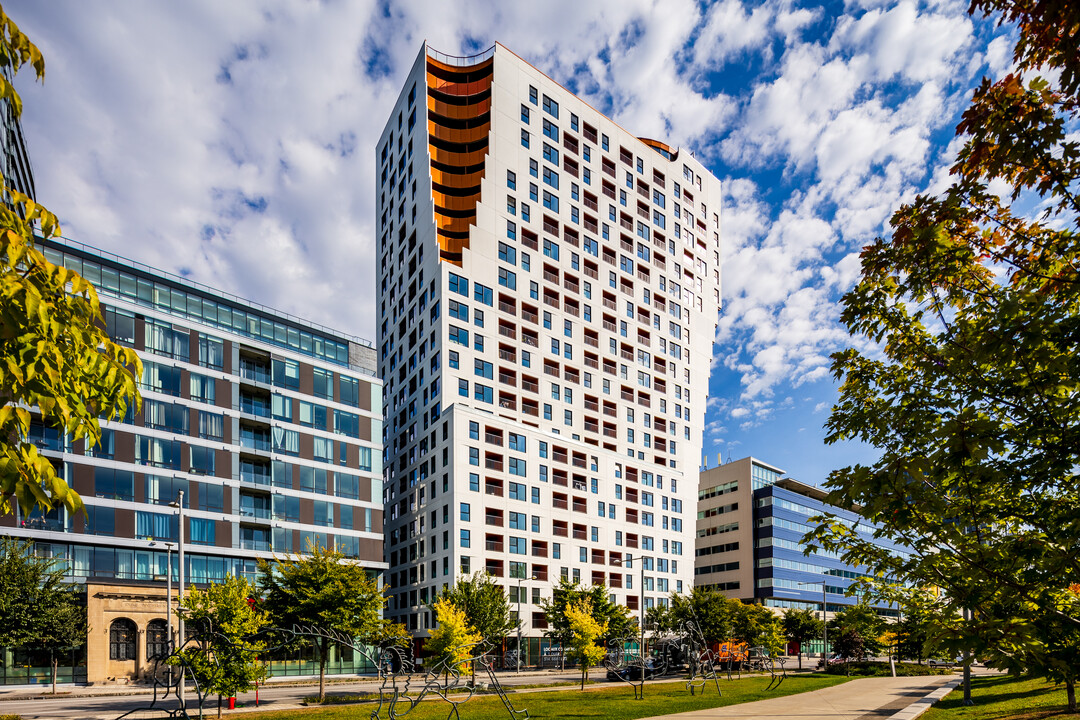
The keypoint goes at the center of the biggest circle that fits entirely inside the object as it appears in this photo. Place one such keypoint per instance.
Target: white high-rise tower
(549, 286)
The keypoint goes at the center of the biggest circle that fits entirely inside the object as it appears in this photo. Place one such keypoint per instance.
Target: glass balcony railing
(260, 513)
(263, 545)
(254, 406)
(254, 372)
(257, 477)
(255, 442)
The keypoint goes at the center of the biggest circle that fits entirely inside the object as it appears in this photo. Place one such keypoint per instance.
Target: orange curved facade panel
(459, 112)
(462, 82)
(460, 89)
(455, 180)
(457, 159)
(666, 150)
(434, 64)
(464, 136)
(457, 204)
(455, 224)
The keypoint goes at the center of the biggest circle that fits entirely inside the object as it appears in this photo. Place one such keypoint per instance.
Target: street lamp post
(641, 616)
(824, 626)
(179, 505)
(520, 622)
(168, 595)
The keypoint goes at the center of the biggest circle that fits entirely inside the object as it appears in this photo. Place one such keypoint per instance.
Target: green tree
(919, 628)
(485, 605)
(585, 631)
(224, 659)
(972, 392)
(614, 617)
(757, 625)
(849, 644)
(713, 613)
(801, 625)
(54, 353)
(660, 619)
(324, 590)
(865, 621)
(38, 609)
(453, 640)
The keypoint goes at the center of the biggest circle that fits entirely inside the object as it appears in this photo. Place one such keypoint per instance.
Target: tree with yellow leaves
(55, 355)
(585, 630)
(452, 641)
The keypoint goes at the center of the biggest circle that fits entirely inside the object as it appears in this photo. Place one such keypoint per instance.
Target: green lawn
(607, 701)
(1000, 697)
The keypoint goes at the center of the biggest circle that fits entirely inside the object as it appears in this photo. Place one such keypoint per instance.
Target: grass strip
(1001, 697)
(615, 701)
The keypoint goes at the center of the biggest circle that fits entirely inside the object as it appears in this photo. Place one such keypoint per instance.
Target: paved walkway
(902, 698)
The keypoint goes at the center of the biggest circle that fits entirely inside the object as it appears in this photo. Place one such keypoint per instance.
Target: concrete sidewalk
(902, 698)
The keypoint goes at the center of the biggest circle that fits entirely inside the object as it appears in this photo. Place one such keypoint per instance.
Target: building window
(157, 639)
(551, 107)
(122, 634)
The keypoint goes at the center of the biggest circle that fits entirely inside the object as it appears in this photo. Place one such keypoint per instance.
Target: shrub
(869, 668)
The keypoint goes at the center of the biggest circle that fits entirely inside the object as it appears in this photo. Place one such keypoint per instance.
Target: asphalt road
(91, 707)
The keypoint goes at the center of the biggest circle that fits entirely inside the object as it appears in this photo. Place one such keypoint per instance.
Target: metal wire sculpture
(703, 662)
(401, 684)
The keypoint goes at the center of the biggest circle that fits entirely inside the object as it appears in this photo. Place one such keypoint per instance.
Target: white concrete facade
(546, 382)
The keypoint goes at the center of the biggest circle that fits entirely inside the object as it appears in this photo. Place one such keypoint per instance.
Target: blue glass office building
(750, 524)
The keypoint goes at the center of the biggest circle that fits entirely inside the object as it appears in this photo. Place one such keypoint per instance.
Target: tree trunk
(322, 670)
(584, 673)
(219, 706)
(1070, 693)
(800, 656)
(52, 655)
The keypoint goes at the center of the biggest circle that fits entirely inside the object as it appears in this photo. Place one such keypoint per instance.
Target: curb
(923, 704)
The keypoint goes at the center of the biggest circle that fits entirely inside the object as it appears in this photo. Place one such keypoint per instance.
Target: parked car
(632, 672)
(835, 659)
(938, 662)
(510, 660)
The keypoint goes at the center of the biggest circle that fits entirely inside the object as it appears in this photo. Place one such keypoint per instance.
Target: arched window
(157, 640)
(122, 634)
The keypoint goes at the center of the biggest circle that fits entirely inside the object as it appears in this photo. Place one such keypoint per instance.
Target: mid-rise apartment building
(270, 426)
(16, 169)
(548, 294)
(751, 519)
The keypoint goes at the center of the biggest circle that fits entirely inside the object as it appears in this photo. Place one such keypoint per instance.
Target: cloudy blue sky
(233, 142)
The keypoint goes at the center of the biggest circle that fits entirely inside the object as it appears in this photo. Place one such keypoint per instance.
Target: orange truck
(731, 652)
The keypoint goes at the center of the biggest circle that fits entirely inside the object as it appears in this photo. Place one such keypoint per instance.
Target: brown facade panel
(223, 390)
(307, 379)
(223, 460)
(140, 332)
(125, 447)
(371, 550)
(365, 431)
(223, 533)
(125, 523)
(365, 395)
(82, 480)
(193, 347)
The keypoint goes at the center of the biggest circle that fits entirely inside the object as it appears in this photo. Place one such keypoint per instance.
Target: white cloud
(235, 142)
